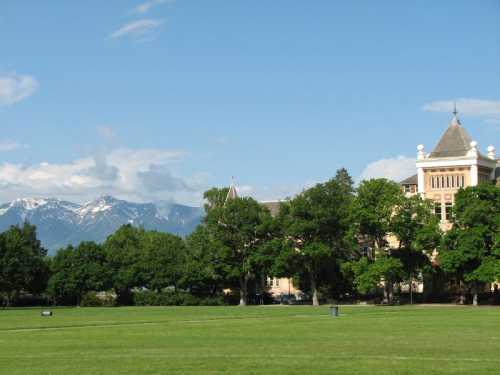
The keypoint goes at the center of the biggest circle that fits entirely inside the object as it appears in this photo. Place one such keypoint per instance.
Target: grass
(253, 340)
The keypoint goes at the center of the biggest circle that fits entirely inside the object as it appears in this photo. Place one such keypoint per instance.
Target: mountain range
(60, 223)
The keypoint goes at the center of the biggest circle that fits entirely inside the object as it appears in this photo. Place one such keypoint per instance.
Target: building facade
(456, 162)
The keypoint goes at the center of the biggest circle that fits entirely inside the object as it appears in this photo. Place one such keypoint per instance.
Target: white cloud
(488, 109)
(138, 29)
(124, 173)
(396, 169)
(146, 6)
(7, 145)
(15, 88)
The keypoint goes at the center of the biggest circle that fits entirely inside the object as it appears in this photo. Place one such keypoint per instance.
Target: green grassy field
(253, 340)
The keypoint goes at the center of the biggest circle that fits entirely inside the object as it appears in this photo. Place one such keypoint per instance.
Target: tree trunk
(474, 295)
(314, 291)
(243, 291)
(461, 300)
(387, 293)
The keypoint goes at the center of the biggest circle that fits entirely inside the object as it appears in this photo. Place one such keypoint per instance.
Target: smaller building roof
(272, 206)
(232, 193)
(412, 180)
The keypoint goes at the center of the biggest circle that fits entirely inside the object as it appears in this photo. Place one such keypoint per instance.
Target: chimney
(420, 153)
(491, 152)
(473, 149)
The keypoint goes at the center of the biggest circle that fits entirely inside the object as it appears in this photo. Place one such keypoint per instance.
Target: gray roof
(272, 206)
(454, 142)
(232, 193)
(413, 180)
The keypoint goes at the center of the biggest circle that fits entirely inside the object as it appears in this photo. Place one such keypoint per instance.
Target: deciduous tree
(470, 251)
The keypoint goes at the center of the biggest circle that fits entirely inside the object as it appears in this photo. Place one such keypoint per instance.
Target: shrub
(93, 299)
(174, 298)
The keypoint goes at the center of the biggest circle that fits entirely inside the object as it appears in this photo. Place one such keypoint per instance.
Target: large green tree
(204, 272)
(470, 251)
(22, 264)
(416, 230)
(78, 270)
(375, 204)
(318, 231)
(237, 227)
(162, 260)
(123, 254)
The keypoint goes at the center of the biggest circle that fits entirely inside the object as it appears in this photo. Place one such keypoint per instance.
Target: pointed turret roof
(455, 141)
(232, 193)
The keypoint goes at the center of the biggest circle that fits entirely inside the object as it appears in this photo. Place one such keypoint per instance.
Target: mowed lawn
(252, 340)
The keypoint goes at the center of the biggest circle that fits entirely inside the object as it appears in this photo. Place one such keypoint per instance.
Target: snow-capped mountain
(60, 223)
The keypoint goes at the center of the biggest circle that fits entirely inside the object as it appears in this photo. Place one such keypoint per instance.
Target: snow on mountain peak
(29, 203)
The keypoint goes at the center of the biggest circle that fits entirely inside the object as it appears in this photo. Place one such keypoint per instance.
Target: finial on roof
(455, 120)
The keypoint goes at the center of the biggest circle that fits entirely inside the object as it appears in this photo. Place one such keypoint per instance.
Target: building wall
(441, 185)
(280, 286)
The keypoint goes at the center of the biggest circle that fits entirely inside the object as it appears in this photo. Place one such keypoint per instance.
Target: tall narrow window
(462, 178)
(437, 209)
(448, 185)
(449, 210)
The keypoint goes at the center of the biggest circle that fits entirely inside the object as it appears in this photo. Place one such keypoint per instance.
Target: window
(437, 209)
(407, 188)
(449, 212)
(276, 282)
(447, 182)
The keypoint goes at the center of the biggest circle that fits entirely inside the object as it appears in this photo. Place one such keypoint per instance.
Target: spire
(455, 121)
(232, 193)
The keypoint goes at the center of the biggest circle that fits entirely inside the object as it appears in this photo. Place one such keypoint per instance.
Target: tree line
(333, 240)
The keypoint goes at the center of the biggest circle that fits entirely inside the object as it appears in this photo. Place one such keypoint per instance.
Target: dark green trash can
(334, 311)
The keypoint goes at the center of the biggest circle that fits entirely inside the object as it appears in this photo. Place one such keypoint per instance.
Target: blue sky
(161, 99)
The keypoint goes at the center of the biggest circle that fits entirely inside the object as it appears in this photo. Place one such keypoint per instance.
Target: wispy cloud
(15, 88)
(7, 145)
(138, 29)
(396, 169)
(146, 6)
(486, 109)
